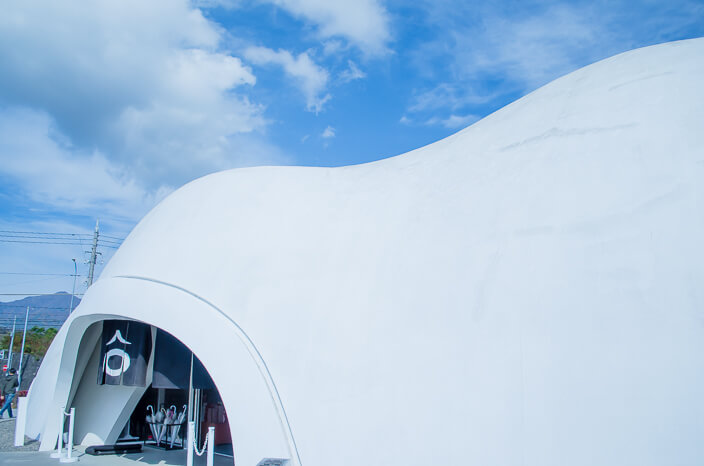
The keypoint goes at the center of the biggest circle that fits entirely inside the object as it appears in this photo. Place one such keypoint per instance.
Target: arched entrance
(154, 375)
(258, 424)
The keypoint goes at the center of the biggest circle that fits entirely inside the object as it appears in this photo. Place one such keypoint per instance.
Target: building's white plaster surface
(94, 403)
(527, 291)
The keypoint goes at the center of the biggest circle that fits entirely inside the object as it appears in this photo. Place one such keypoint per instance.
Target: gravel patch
(7, 438)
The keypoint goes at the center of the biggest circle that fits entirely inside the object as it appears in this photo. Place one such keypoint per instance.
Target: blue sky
(108, 106)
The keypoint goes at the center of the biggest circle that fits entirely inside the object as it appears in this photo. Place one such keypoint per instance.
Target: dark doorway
(181, 389)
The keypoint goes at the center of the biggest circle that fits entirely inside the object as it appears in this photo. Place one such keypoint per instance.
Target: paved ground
(148, 456)
(7, 438)
(29, 456)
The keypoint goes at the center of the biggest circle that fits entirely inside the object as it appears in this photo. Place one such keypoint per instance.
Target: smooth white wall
(527, 291)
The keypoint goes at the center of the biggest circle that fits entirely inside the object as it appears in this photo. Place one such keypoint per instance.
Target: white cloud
(453, 121)
(311, 79)
(352, 73)
(364, 23)
(531, 49)
(443, 98)
(329, 133)
(332, 47)
(144, 84)
(520, 48)
(452, 96)
(487, 53)
(50, 172)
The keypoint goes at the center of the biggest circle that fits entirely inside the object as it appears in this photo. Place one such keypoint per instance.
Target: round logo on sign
(124, 362)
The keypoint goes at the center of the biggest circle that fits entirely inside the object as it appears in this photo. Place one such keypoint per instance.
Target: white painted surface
(527, 291)
(21, 421)
(94, 403)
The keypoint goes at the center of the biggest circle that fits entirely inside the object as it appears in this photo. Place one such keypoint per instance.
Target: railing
(68, 457)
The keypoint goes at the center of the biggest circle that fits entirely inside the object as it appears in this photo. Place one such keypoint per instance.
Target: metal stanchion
(190, 439)
(211, 445)
(60, 445)
(69, 446)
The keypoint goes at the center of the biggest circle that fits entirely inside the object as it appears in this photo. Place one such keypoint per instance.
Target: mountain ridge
(44, 310)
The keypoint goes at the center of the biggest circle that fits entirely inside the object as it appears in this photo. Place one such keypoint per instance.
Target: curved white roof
(526, 291)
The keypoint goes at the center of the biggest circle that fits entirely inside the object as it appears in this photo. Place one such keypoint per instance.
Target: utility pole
(93, 254)
(24, 338)
(12, 342)
(73, 292)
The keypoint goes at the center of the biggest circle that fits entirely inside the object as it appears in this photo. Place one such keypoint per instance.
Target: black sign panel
(124, 353)
(172, 365)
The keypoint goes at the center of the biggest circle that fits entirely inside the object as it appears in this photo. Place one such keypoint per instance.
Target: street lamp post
(73, 292)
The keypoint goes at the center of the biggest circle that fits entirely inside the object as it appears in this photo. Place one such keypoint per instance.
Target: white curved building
(528, 291)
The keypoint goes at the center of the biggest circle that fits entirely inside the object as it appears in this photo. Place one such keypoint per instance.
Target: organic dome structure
(527, 291)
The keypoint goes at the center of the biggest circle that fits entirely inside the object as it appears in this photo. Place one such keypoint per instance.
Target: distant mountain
(44, 311)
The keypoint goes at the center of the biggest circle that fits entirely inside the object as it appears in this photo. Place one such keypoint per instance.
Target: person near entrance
(8, 386)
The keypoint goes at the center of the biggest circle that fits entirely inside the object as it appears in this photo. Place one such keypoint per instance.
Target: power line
(23, 306)
(2, 240)
(19, 234)
(44, 233)
(38, 294)
(56, 238)
(31, 323)
(38, 319)
(33, 280)
(112, 245)
(10, 236)
(113, 237)
(47, 274)
(109, 242)
(37, 233)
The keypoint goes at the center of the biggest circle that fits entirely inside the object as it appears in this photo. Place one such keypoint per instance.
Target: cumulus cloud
(364, 23)
(144, 84)
(329, 133)
(310, 78)
(50, 171)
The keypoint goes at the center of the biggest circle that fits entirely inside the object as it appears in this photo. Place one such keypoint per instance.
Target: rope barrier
(208, 445)
(195, 447)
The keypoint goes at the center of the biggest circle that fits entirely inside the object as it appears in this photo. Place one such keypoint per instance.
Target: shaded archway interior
(156, 411)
